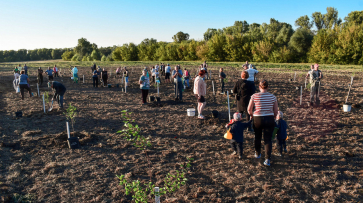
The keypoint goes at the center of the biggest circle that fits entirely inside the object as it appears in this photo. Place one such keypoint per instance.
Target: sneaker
(267, 162)
(257, 156)
(234, 153)
(285, 150)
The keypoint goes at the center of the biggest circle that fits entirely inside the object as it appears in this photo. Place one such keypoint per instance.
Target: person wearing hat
(59, 89)
(236, 128)
(167, 73)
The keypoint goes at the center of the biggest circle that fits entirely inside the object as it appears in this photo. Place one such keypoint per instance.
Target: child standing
(281, 134)
(236, 129)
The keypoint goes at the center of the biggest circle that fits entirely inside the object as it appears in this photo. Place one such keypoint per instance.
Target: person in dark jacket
(243, 90)
(281, 134)
(222, 76)
(236, 129)
(95, 78)
(60, 89)
(104, 77)
(40, 76)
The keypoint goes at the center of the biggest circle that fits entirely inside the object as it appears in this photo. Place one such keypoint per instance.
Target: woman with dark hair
(144, 86)
(264, 114)
(200, 90)
(243, 90)
(24, 84)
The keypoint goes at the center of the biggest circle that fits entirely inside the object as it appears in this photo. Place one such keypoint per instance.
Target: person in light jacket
(200, 90)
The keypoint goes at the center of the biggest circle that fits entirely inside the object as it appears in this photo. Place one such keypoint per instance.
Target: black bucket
(158, 99)
(215, 114)
(151, 98)
(73, 143)
(19, 114)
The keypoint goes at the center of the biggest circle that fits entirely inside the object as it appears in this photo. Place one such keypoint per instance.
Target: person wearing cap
(40, 76)
(167, 73)
(60, 90)
(178, 83)
(236, 128)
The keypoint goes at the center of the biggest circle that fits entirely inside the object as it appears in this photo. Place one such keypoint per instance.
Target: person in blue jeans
(95, 78)
(236, 129)
(60, 89)
(186, 77)
(178, 83)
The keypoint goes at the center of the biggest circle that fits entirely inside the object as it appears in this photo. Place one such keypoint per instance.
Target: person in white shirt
(252, 74)
(153, 73)
(16, 80)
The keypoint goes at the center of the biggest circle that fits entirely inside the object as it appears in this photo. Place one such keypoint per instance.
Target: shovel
(51, 108)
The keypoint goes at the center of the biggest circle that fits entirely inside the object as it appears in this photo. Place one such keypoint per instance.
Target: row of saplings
(142, 192)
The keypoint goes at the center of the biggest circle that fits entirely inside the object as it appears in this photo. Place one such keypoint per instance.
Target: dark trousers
(314, 92)
(153, 78)
(22, 87)
(237, 147)
(265, 124)
(40, 79)
(178, 90)
(95, 82)
(56, 74)
(104, 81)
(281, 145)
(144, 95)
(222, 85)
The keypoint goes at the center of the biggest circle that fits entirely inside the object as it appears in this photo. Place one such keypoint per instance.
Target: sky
(31, 24)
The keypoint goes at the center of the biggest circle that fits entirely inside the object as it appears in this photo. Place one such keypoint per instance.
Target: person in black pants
(104, 77)
(40, 76)
(266, 109)
(24, 84)
(95, 78)
(236, 129)
(222, 76)
(60, 89)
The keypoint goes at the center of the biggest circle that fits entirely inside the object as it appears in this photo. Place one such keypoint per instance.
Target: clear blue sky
(29, 24)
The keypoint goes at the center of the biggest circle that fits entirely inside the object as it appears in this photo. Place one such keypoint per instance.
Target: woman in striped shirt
(264, 115)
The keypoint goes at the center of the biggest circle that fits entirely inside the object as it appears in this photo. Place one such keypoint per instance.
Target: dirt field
(324, 160)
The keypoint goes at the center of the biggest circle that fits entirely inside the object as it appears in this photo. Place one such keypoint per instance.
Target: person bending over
(59, 89)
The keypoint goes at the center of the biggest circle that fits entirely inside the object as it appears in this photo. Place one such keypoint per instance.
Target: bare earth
(323, 164)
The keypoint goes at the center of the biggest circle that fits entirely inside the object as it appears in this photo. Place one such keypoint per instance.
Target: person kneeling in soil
(60, 89)
(144, 86)
(24, 84)
(200, 90)
(236, 129)
(281, 134)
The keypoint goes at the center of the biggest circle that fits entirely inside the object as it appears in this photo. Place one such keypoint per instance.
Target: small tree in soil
(172, 182)
(71, 114)
(46, 98)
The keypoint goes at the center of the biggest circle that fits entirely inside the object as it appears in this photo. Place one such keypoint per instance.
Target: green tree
(96, 55)
(318, 20)
(216, 50)
(180, 36)
(262, 50)
(355, 17)
(304, 22)
(209, 33)
(67, 55)
(84, 47)
(300, 43)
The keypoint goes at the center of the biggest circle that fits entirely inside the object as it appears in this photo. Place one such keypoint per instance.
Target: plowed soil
(324, 160)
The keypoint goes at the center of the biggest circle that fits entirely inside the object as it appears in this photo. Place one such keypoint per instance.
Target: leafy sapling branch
(70, 114)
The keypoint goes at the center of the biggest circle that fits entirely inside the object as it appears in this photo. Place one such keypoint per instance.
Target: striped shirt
(264, 103)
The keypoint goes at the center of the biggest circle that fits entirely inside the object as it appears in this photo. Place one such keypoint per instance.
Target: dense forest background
(322, 38)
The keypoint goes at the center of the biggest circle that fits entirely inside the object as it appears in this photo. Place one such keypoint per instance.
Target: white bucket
(72, 78)
(347, 107)
(191, 112)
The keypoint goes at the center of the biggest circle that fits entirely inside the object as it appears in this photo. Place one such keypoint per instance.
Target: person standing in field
(26, 69)
(167, 74)
(186, 77)
(315, 76)
(16, 80)
(200, 90)
(263, 108)
(94, 67)
(222, 76)
(118, 71)
(281, 134)
(20, 68)
(126, 76)
(243, 90)
(178, 83)
(50, 74)
(104, 77)
(40, 76)
(55, 69)
(95, 78)
(16, 69)
(252, 74)
(144, 86)
(162, 69)
(153, 74)
(60, 90)
(75, 74)
(24, 84)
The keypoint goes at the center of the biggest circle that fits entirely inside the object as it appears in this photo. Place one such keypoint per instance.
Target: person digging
(59, 89)
(315, 76)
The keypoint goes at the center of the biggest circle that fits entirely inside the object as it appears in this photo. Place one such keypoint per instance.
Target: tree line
(320, 38)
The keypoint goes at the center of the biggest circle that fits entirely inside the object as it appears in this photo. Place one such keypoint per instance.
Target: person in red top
(266, 110)
(55, 69)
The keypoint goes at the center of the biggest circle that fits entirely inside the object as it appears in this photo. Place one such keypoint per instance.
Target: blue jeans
(186, 80)
(179, 89)
(60, 101)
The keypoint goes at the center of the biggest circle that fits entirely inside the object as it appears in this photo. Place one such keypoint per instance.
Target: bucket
(72, 78)
(191, 112)
(347, 107)
(158, 99)
(151, 98)
(215, 114)
(73, 143)
(19, 114)
(109, 85)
